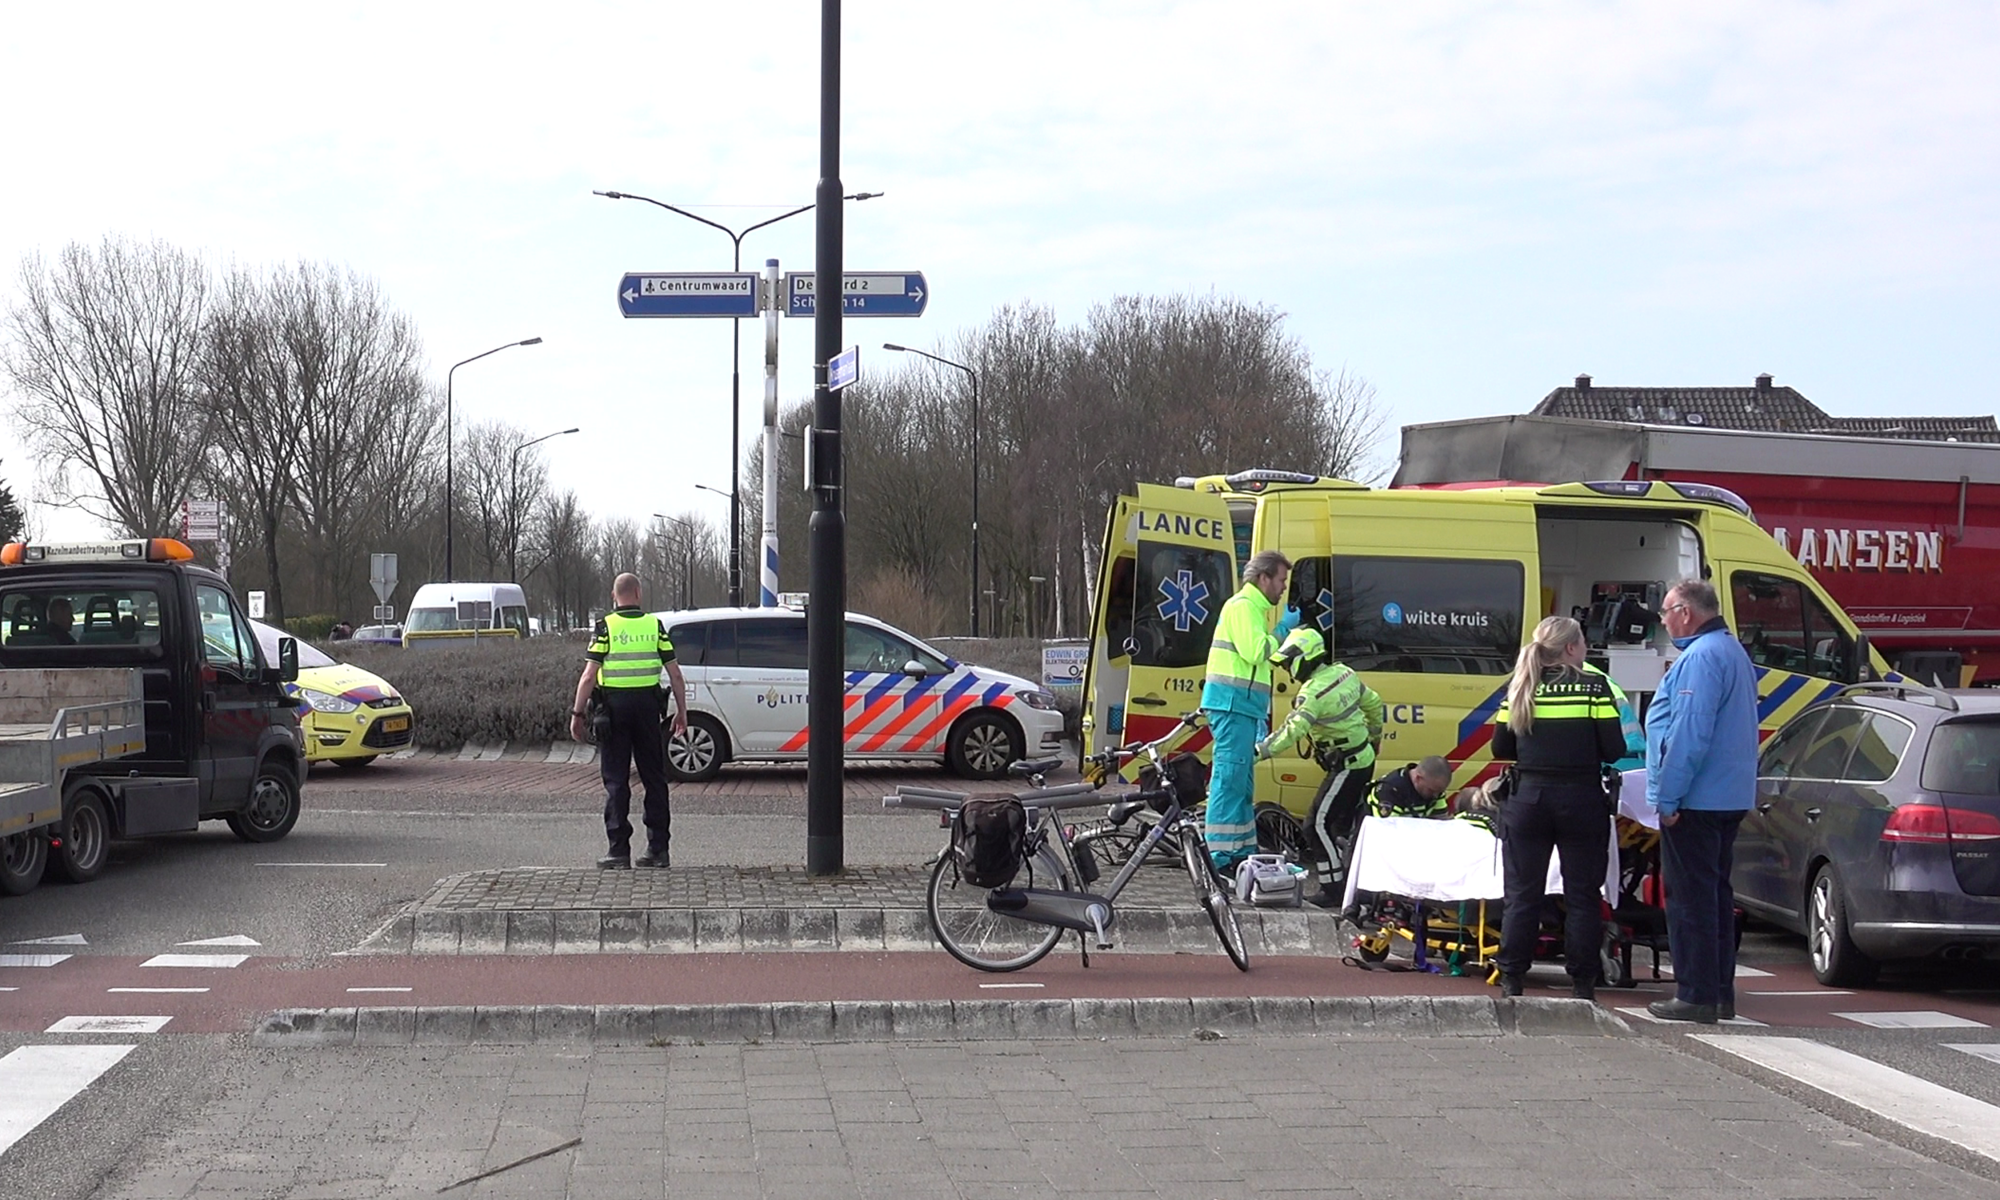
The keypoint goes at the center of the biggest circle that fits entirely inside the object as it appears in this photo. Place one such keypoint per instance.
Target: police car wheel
(698, 754)
(982, 746)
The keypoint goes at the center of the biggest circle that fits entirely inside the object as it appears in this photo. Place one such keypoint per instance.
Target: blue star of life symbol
(1183, 604)
(1325, 618)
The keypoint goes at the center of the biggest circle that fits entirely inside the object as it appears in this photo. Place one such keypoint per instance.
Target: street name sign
(201, 520)
(688, 295)
(863, 294)
(844, 369)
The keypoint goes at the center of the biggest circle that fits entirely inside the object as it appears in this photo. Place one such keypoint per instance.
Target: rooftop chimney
(1764, 382)
(1583, 383)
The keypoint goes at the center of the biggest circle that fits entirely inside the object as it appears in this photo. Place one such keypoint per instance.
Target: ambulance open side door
(1167, 567)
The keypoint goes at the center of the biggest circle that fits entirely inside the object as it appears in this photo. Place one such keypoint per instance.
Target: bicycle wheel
(1215, 902)
(976, 935)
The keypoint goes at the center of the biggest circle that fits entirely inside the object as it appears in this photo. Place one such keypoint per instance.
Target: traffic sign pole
(767, 555)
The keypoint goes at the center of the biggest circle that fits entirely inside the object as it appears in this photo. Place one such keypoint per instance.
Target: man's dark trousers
(634, 737)
(1695, 854)
(1547, 813)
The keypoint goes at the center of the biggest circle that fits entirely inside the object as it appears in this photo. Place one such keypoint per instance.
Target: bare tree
(354, 362)
(104, 351)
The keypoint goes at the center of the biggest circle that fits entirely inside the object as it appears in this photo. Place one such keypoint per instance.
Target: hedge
(503, 690)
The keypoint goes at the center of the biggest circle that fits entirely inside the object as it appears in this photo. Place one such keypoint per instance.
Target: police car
(746, 677)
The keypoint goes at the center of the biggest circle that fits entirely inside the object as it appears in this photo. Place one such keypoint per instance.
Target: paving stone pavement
(1118, 1119)
(562, 910)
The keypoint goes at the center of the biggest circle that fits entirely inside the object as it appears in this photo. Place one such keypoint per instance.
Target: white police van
(746, 676)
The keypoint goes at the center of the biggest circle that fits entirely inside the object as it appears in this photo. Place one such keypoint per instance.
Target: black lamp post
(974, 377)
(687, 576)
(533, 341)
(514, 502)
(735, 374)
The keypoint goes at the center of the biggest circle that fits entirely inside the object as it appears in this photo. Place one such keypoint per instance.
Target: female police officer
(1559, 724)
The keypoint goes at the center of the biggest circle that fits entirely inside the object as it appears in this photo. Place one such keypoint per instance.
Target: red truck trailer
(1904, 534)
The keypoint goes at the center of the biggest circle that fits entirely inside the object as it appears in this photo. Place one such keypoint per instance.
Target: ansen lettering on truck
(1864, 549)
(1182, 525)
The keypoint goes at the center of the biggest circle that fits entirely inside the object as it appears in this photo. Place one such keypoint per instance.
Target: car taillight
(1969, 825)
(1938, 825)
(1917, 823)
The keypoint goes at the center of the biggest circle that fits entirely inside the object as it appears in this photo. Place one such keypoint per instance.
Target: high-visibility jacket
(1628, 723)
(1239, 659)
(1575, 728)
(1337, 710)
(629, 647)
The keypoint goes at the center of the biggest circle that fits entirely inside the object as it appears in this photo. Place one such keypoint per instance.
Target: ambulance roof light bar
(16, 554)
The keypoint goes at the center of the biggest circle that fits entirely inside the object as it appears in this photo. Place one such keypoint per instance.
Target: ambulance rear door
(1167, 568)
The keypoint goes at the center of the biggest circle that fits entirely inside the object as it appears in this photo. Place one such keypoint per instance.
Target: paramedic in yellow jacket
(1237, 699)
(1343, 717)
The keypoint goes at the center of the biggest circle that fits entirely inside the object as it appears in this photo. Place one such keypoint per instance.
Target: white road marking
(1896, 1095)
(66, 939)
(158, 991)
(35, 1081)
(379, 989)
(1012, 985)
(33, 960)
(1990, 1051)
(196, 960)
(234, 939)
(1739, 1022)
(1911, 1020)
(1816, 992)
(319, 864)
(1743, 972)
(109, 1025)
(9, 989)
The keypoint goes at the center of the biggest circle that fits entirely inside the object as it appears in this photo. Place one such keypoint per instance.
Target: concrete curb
(725, 930)
(1207, 1017)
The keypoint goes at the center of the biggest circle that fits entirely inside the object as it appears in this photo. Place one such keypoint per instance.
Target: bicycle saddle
(1039, 766)
(1122, 811)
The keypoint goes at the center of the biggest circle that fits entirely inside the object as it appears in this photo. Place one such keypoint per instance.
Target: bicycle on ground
(989, 917)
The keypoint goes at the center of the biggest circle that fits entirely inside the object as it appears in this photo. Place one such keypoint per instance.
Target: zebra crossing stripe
(1898, 1096)
(35, 1081)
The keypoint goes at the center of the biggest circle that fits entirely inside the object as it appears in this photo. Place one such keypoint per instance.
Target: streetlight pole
(687, 575)
(514, 502)
(735, 373)
(449, 577)
(974, 377)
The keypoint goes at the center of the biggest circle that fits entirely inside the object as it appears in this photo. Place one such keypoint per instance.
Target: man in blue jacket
(1701, 776)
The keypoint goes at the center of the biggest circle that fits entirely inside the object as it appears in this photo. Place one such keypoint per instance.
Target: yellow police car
(347, 716)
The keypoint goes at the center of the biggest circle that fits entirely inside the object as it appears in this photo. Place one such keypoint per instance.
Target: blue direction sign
(688, 295)
(844, 369)
(863, 294)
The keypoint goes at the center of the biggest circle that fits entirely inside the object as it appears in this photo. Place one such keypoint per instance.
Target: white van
(746, 677)
(443, 612)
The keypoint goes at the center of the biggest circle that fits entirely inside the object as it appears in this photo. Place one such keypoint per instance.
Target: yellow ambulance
(1429, 594)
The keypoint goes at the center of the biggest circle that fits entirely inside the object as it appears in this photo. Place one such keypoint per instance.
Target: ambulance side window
(1118, 605)
(1784, 626)
(1312, 593)
(1427, 616)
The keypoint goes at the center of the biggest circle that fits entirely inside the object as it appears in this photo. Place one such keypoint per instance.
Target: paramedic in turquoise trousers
(1237, 699)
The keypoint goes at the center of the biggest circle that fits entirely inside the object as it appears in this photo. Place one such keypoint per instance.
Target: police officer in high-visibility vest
(1343, 716)
(1559, 725)
(1237, 700)
(627, 651)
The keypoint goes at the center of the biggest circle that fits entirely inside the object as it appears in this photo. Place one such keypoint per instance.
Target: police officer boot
(615, 862)
(1510, 985)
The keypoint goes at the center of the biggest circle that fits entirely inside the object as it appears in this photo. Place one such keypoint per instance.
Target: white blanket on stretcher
(1428, 859)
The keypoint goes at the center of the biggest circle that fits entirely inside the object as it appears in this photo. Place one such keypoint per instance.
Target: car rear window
(59, 616)
(1879, 749)
(1964, 757)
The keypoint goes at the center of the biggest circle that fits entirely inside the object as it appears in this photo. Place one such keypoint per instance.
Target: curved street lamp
(974, 377)
(533, 341)
(514, 500)
(735, 372)
(687, 579)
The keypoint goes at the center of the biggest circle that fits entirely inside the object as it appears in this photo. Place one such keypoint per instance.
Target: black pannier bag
(1189, 775)
(988, 839)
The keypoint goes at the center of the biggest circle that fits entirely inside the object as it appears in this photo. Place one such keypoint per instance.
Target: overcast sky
(1465, 204)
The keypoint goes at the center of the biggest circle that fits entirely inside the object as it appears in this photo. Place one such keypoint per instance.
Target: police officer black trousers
(1547, 812)
(634, 737)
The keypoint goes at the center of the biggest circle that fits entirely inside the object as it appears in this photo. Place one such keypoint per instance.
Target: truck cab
(221, 736)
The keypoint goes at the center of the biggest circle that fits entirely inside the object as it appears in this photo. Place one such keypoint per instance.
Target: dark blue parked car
(1876, 831)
